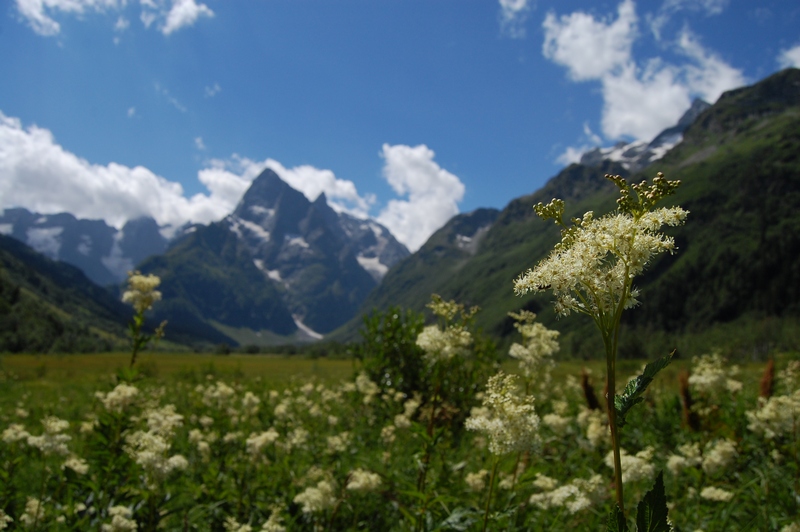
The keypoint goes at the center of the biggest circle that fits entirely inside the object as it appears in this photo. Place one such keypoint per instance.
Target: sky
(405, 111)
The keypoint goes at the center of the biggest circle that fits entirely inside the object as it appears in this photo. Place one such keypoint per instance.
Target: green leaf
(651, 514)
(616, 521)
(632, 394)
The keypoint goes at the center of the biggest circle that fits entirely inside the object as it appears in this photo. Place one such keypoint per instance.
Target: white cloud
(572, 154)
(173, 15)
(790, 58)
(212, 90)
(122, 24)
(199, 144)
(639, 100)
(38, 13)
(513, 14)
(710, 76)
(131, 112)
(642, 104)
(40, 175)
(670, 7)
(590, 48)
(433, 194)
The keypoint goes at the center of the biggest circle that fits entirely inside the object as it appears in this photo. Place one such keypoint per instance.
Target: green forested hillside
(50, 306)
(738, 264)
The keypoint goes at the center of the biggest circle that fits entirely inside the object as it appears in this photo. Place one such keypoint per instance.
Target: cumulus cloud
(174, 15)
(433, 194)
(639, 99)
(39, 13)
(790, 58)
(171, 15)
(590, 48)
(39, 174)
(513, 14)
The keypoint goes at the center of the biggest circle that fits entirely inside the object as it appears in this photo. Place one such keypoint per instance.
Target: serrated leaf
(651, 514)
(632, 394)
(616, 521)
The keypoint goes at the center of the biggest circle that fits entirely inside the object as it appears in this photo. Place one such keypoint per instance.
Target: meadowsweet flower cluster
(580, 494)
(120, 520)
(52, 441)
(118, 399)
(363, 480)
(777, 417)
(711, 374)
(510, 421)
(635, 467)
(141, 292)
(317, 498)
(590, 269)
(712, 493)
(539, 343)
(451, 339)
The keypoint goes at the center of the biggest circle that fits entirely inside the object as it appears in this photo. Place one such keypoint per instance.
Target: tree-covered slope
(739, 252)
(50, 306)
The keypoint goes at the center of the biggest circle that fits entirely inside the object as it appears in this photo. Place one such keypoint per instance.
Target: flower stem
(489, 497)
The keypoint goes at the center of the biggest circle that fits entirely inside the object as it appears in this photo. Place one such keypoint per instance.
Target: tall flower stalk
(141, 293)
(591, 271)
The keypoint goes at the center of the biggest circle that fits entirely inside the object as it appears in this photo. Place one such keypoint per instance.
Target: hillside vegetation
(736, 274)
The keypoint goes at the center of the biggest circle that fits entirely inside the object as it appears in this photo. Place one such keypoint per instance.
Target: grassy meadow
(259, 442)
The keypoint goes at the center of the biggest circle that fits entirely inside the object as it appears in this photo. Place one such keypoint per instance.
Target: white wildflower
(232, 525)
(716, 494)
(362, 480)
(14, 433)
(163, 421)
(689, 457)
(511, 421)
(118, 399)
(778, 416)
(77, 464)
(366, 387)
(273, 524)
(142, 291)
(718, 456)
(443, 345)
(578, 495)
(634, 467)
(257, 442)
(597, 258)
(5, 519)
(476, 481)
(338, 442)
(317, 498)
(539, 343)
(52, 441)
(120, 520)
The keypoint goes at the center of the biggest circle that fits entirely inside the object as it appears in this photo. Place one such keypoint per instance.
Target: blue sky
(407, 111)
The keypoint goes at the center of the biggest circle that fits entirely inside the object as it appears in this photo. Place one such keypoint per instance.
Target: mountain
(739, 252)
(51, 306)
(278, 265)
(635, 156)
(104, 253)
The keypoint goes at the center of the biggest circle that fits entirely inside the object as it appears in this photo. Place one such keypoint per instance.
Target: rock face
(314, 266)
(104, 253)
